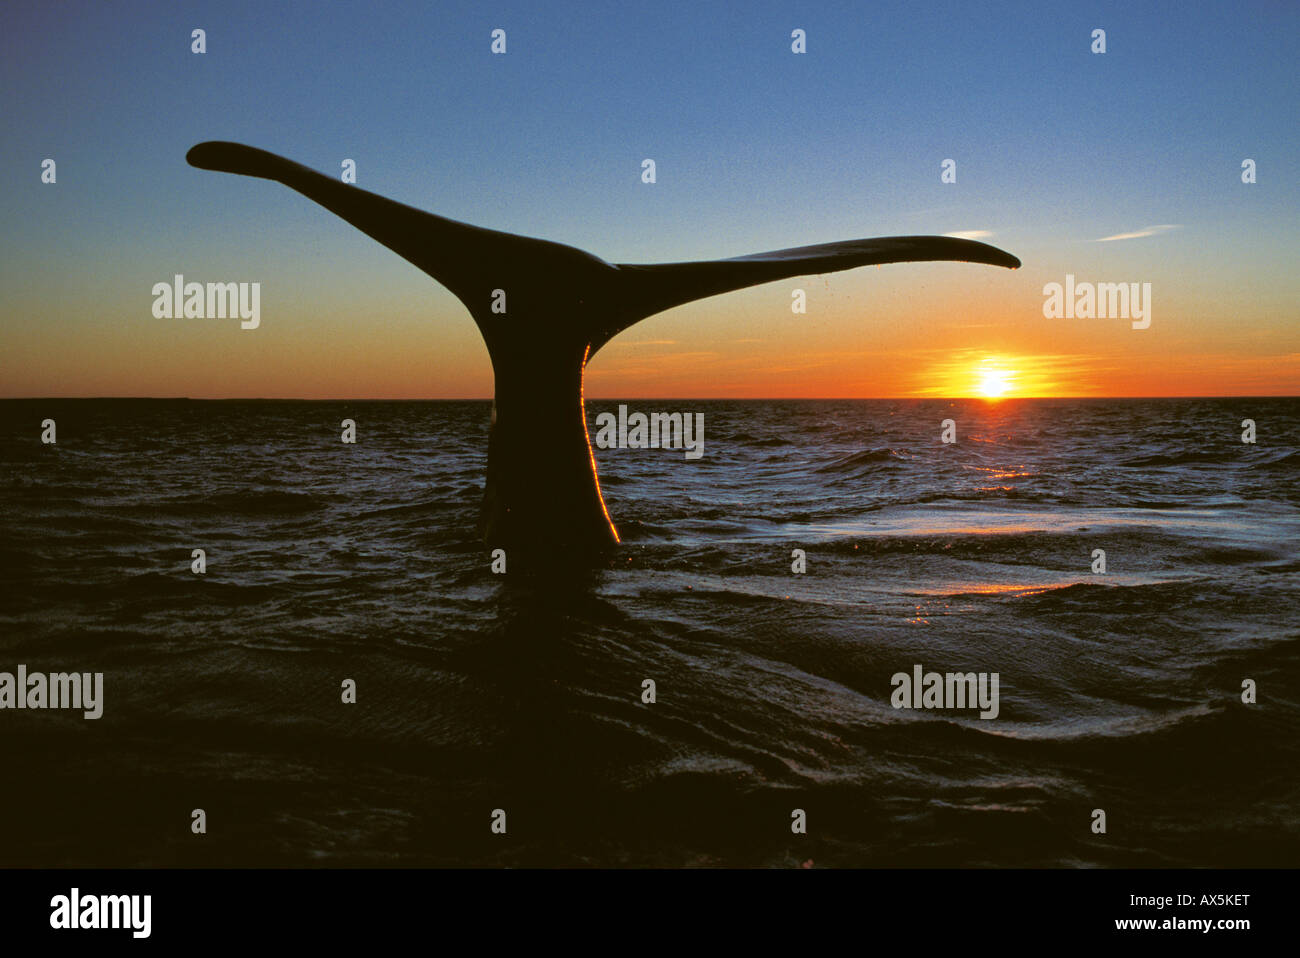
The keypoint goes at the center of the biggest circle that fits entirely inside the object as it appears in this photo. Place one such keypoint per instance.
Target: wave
(257, 502)
(1191, 457)
(866, 457)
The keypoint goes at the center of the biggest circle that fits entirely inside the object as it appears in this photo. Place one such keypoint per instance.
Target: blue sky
(756, 148)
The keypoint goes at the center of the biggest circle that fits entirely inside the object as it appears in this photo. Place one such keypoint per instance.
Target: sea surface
(1119, 691)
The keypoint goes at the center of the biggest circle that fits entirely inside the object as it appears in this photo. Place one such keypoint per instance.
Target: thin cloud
(1143, 232)
(970, 234)
(944, 372)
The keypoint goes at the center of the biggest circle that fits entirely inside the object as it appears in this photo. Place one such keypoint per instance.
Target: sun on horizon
(990, 377)
(995, 382)
(993, 376)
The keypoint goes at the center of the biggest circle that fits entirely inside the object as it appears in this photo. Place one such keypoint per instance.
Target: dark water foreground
(477, 692)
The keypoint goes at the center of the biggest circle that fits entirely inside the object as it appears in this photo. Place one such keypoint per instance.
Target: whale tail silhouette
(544, 309)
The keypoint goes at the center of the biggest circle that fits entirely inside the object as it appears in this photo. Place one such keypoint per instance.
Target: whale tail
(544, 309)
(659, 286)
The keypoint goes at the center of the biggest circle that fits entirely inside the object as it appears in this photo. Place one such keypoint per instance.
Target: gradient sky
(757, 148)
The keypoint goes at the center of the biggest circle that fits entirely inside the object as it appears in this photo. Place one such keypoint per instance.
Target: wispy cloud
(943, 372)
(970, 234)
(1139, 234)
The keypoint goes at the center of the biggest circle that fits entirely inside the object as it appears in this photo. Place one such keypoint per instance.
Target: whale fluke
(659, 286)
(562, 304)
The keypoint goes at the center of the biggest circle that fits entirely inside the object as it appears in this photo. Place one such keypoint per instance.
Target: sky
(1124, 166)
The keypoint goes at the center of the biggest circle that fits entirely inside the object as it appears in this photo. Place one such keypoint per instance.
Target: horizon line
(987, 399)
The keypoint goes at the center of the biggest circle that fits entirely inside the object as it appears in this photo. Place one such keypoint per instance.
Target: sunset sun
(995, 383)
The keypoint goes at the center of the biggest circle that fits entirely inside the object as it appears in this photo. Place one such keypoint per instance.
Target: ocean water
(1118, 691)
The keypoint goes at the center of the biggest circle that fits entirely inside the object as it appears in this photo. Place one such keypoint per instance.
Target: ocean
(518, 699)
